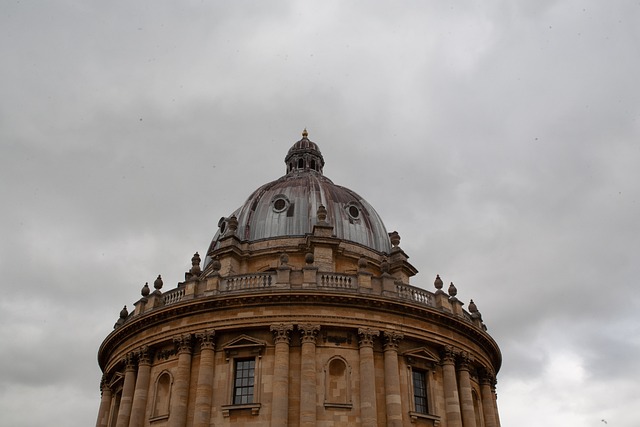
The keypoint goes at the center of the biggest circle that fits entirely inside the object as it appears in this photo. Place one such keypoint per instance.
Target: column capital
(448, 354)
(392, 340)
(183, 343)
(104, 384)
(144, 355)
(282, 332)
(309, 332)
(464, 361)
(206, 339)
(129, 361)
(487, 377)
(366, 336)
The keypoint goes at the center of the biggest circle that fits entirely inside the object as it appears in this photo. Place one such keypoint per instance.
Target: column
(308, 381)
(495, 403)
(392, 379)
(488, 407)
(280, 399)
(204, 388)
(127, 390)
(368, 407)
(180, 394)
(105, 403)
(451, 401)
(142, 388)
(466, 398)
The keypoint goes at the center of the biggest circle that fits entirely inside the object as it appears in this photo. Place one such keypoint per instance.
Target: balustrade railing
(249, 281)
(173, 296)
(415, 294)
(337, 281)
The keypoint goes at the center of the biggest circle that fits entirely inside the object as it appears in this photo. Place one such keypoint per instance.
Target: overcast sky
(501, 139)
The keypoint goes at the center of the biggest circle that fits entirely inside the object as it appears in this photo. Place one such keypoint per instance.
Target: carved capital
(282, 333)
(144, 355)
(448, 355)
(129, 360)
(464, 361)
(487, 377)
(104, 385)
(309, 332)
(206, 339)
(183, 343)
(366, 336)
(392, 340)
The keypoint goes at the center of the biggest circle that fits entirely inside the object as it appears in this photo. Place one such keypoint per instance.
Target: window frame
(425, 362)
(243, 348)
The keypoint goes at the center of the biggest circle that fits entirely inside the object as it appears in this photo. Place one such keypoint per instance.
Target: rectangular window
(420, 392)
(244, 377)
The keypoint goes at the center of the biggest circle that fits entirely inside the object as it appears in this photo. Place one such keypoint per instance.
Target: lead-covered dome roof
(289, 205)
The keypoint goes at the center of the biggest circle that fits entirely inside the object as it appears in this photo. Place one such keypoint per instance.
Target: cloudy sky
(501, 139)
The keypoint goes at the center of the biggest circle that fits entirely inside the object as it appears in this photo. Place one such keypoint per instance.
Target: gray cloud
(499, 140)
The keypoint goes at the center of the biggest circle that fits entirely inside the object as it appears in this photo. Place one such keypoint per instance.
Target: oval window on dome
(222, 224)
(353, 211)
(280, 203)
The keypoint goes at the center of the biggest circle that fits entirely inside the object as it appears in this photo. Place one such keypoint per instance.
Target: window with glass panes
(420, 392)
(243, 381)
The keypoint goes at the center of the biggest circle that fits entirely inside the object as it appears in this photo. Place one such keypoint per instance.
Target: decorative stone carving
(448, 355)
(123, 316)
(438, 284)
(145, 290)
(395, 238)
(322, 214)
(366, 336)
(309, 332)
(308, 258)
(216, 265)
(183, 343)
(206, 339)
(392, 340)
(464, 361)
(282, 333)
(362, 263)
(453, 291)
(158, 283)
(233, 224)
(384, 265)
(195, 265)
(129, 360)
(144, 355)
(284, 259)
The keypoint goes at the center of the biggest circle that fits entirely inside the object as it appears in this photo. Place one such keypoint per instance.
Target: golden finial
(305, 133)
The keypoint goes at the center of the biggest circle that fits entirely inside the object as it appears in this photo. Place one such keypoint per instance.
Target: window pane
(243, 381)
(420, 392)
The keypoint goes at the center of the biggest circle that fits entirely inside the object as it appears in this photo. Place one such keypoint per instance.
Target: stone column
(308, 383)
(127, 391)
(204, 389)
(487, 400)
(280, 400)
(392, 379)
(451, 400)
(142, 388)
(105, 403)
(180, 394)
(466, 398)
(495, 403)
(368, 407)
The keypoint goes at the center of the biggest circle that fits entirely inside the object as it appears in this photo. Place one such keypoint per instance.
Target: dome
(289, 205)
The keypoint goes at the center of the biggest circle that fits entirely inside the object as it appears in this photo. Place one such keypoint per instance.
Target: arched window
(313, 165)
(162, 396)
(337, 383)
(300, 163)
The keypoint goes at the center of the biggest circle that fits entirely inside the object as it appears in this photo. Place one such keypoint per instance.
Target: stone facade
(318, 328)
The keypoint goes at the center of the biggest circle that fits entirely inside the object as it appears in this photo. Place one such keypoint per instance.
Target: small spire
(305, 133)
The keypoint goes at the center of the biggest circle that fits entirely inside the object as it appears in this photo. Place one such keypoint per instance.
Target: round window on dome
(353, 211)
(222, 224)
(280, 203)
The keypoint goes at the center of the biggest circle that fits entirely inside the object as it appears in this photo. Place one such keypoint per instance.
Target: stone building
(302, 314)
